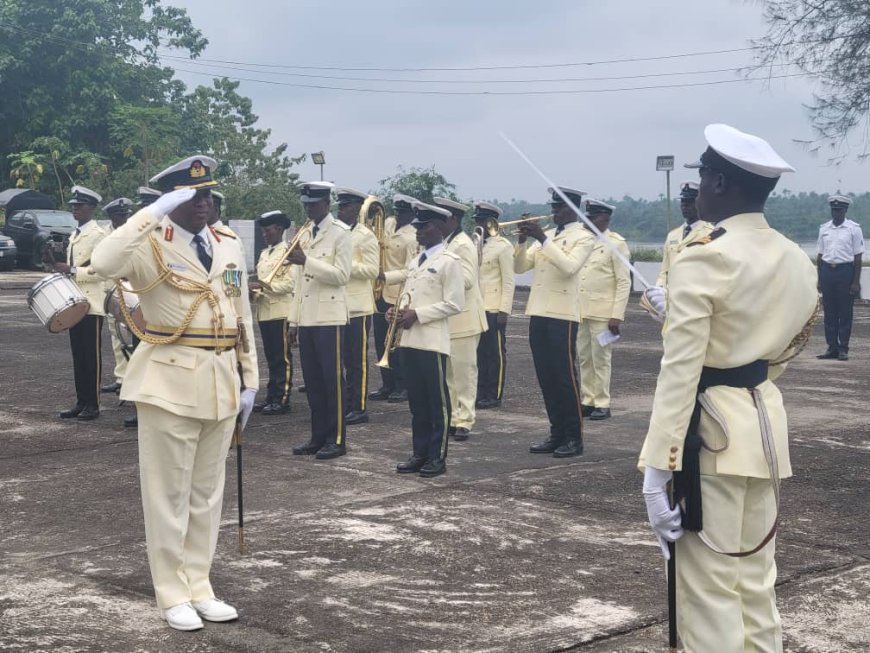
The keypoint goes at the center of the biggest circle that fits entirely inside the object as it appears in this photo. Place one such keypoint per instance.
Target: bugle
(394, 335)
(520, 221)
(300, 240)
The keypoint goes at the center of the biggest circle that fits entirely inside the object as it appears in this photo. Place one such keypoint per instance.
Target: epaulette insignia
(168, 231)
(223, 232)
(214, 232)
(709, 238)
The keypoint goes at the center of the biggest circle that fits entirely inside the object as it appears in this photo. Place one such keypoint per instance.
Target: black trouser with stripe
(491, 360)
(86, 341)
(320, 352)
(835, 282)
(276, 347)
(355, 356)
(429, 400)
(392, 379)
(553, 344)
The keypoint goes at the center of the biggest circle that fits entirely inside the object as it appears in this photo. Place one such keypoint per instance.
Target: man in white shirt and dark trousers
(841, 247)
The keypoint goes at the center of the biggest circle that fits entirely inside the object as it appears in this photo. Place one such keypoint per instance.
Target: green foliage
(646, 254)
(420, 183)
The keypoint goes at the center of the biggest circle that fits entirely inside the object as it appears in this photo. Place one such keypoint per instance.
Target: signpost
(666, 163)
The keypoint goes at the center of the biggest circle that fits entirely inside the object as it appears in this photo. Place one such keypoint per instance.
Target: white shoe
(215, 610)
(182, 617)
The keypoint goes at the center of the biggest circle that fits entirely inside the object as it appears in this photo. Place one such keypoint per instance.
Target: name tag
(178, 267)
(432, 270)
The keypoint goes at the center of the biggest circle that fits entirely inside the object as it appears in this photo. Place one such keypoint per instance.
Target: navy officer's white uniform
(190, 377)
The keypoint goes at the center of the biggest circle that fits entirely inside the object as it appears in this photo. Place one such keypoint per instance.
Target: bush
(646, 254)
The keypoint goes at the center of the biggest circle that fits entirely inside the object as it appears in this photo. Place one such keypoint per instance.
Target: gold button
(672, 466)
(171, 360)
(674, 449)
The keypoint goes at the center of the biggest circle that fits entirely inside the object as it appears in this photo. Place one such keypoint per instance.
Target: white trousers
(182, 464)
(726, 604)
(594, 364)
(462, 380)
(117, 350)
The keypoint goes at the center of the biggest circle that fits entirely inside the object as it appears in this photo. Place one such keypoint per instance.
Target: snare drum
(113, 308)
(58, 302)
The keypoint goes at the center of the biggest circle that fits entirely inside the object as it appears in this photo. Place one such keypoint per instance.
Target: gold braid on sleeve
(799, 342)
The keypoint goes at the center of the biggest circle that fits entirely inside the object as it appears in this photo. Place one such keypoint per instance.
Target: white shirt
(431, 251)
(840, 244)
(188, 236)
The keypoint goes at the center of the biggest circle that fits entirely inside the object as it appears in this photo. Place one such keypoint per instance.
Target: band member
(85, 338)
(193, 373)
(147, 196)
(360, 304)
(554, 307)
(497, 287)
(435, 291)
(605, 284)
(400, 248)
(841, 250)
(320, 311)
(118, 211)
(737, 302)
(272, 303)
(465, 328)
(693, 230)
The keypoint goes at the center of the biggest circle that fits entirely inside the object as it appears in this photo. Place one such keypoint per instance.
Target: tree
(420, 183)
(831, 40)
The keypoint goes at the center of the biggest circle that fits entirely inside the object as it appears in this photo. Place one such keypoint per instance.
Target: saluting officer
(118, 211)
(738, 303)
(434, 284)
(605, 284)
(465, 328)
(401, 247)
(85, 338)
(320, 311)
(693, 230)
(272, 303)
(360, 303)
(193, 373)
(554, 307)
(497, 282)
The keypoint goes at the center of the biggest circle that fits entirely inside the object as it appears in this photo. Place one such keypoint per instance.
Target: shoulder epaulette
(341, 224)
(224, 231)
(617, 236)
(450, 254)
(709, 238)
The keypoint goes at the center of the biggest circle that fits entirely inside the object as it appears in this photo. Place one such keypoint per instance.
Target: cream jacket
(364, 270)
(555, 289)
(401, 248)
(186, 381)
(472, 320)
(604, 281)
(497, 279)
(320, 293)
(273, 303)
(741, 297)
(675, 243)
(437, 292)
(79, 252)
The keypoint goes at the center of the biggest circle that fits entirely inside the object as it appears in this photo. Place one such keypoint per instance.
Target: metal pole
(321, 172)
(668, 184)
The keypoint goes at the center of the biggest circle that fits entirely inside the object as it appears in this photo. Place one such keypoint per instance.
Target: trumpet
(394, 335)
(300, 240)
(477, 237)
(536, 218)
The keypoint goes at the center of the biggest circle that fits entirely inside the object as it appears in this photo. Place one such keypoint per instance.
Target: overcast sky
(603, 143)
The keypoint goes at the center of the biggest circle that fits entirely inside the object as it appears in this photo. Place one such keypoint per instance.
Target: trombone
(374, 215)
(394, 335)
(300, 240)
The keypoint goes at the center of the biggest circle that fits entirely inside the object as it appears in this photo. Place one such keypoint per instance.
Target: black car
(8, 253)
(33, 229)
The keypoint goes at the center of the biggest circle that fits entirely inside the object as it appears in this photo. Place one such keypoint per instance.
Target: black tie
(201, 252)
(559, 229)
(422, 259)
(687, 230)
(314, 232)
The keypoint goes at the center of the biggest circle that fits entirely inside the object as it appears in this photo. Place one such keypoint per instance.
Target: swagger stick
(672, 588)
(580, 214)
(237, 438)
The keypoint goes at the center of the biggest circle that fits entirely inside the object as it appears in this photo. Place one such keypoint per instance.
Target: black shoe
(260, 405)
(306, 449)
(72, 412)
(585, 410)
(302, 389)
(433, 468)
(89, 413)
(131, 422)
(412, 465)
(330, 451)
(381, 394)
(828, 355)
(599, 414)
(842, 356)
(398, 396)
(356, 417)
(451, 431)
(460, 434)
(484, 404)
(569, 449)
(276, 409)
(111, 387)
(547, 446)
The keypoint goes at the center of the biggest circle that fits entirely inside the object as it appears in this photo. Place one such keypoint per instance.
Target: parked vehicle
(33, 229)
(8, 253)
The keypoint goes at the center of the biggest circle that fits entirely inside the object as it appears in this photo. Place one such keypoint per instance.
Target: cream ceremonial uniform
(117, 346)
(554, 307)
(272, 306)
(364, 270)
(186, 391)
(676, 242)
(605, 284)
(497, 283)
(737, 300)
(465, 330)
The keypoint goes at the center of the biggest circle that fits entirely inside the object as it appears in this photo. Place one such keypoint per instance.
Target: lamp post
(320, 160)
(666, 163)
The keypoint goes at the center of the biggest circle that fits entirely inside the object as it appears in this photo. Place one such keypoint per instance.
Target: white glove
(664, 519)
(654, 300)
(166, 204)
(246, 405)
